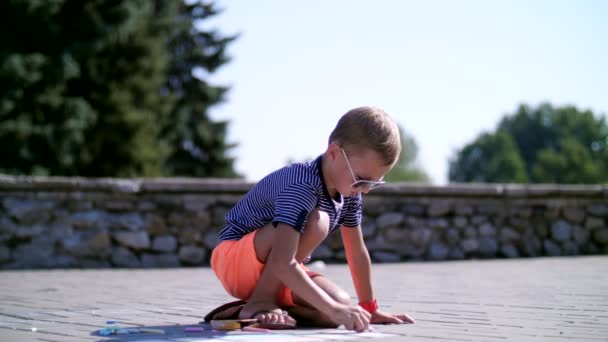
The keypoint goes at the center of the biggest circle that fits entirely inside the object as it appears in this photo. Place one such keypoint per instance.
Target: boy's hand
(380, 317)
(353, 317)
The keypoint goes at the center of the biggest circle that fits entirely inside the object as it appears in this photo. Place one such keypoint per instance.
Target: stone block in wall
(385, 256)
(197, 203)
(28, 211)
(581, 235)
(569, 248)
(89, 219)
(488, 246)
(439, 208)
(414, 222)
(561, 230)
(146, 206)
(189, 219)
(574, 214)
(463, 210)
(487, 229)
(218, 216)
(421, 237)
(159, 260)
(123, 257)
(192, 255)
(520, 212)
(438, 251)
(456, 253)
(189, 235)
(470, 232)
(508, 234)
(600, 236)
(387, 220)
(210, 238)
(118, 205)
(552, 248)
(518, 223)
(5, 254)
(165, 243)
(551, 213)
(438, 223)
(530, 245)
(88, 243)
(469, 246)
(368, 228)
(34, 254)
(155, 225)
(460, 221)
(487, 209)
(7, 226)
(334, 241)
(63, 261)
(129, 221)
(396, 234)
(452, 236)
(414, 209)
(322, 252)
(136, 240)
(478, 220)
(409, 250)
(599, 210)
(594, 222)
(29, 231)
(541, 230)
(509, 250)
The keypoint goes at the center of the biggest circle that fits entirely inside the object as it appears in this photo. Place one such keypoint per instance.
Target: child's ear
(333, 150)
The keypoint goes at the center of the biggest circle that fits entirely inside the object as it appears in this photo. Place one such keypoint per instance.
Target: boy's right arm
(283, 264)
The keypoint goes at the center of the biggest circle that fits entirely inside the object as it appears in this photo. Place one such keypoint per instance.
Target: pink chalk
(194, 329)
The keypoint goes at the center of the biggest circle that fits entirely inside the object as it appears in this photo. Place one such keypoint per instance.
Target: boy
(274, 228)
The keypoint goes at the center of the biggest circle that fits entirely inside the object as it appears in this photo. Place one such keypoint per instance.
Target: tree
(407, 168)
(539, 145)
(80, 88)
(491, 158)
(198, 144)
(105, 88)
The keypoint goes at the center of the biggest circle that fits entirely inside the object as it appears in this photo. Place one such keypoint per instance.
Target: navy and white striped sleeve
(353, 211)
(294, 204)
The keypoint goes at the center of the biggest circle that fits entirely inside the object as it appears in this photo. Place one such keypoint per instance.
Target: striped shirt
(288, 195)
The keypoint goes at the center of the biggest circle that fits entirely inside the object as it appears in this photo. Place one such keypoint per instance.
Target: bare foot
(267, 315)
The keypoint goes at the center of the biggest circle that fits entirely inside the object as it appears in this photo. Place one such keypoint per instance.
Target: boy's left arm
(360, 266)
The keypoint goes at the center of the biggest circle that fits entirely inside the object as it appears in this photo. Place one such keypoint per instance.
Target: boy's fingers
(407, 319)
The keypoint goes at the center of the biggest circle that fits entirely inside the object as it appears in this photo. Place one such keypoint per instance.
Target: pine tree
(79, 88)
(198, 143)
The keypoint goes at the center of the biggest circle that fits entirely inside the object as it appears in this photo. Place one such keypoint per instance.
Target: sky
(445, 71)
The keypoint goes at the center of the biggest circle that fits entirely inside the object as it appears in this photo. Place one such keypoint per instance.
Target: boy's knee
(342, 297)
(317, 223)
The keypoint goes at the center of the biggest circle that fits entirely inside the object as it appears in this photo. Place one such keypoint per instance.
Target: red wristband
(371, 306)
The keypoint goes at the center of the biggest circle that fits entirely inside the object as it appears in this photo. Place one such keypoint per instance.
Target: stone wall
(77, 222)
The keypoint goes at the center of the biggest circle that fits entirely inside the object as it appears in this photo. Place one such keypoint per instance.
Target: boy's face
(358, 171)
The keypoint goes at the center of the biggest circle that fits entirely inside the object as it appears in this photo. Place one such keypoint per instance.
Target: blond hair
(368, 127)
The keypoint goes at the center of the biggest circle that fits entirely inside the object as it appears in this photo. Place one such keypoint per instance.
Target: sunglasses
(360, 183)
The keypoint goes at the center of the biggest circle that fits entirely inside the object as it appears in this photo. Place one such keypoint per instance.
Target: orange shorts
(238, 269)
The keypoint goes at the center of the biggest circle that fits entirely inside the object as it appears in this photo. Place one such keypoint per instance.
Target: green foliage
(406, 168)
(538, 145)
(198, 144)
(83, 89)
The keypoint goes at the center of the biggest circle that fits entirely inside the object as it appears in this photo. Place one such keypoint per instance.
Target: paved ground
(545, 299)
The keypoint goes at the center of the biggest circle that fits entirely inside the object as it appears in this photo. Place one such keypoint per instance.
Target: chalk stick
(151, 331)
